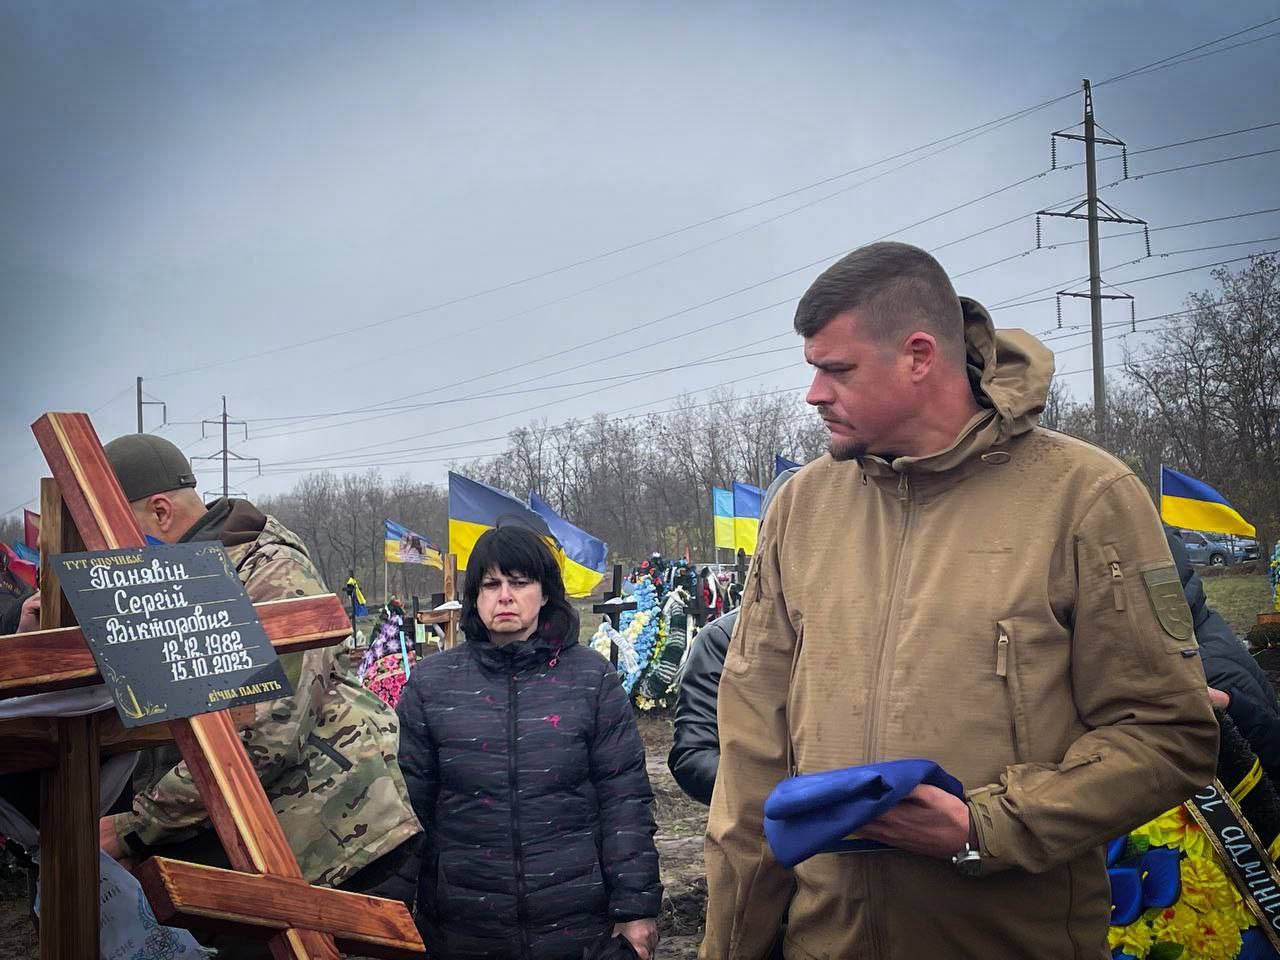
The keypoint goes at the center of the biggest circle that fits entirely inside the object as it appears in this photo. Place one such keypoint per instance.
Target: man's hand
(929, 821)
(642, 935)
(30, 619)
(1219, 698)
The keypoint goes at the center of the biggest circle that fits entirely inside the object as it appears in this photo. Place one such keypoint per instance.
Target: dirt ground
(681, 823)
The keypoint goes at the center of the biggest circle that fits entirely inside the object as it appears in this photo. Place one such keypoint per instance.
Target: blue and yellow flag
(781, 465)
(722, 517)
(401, 545)
(475, 507)
(1194, 505)
(359, 608)
(746, 516)
(585, 557)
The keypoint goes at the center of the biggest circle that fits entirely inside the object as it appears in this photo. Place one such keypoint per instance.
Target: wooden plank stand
(264, 895)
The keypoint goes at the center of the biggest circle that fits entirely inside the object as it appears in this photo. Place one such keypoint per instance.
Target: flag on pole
(476, 507)
(781, 465)
(746, 516)
(31, 529)
(585, 556)
(402, 545)
(358, 604)
(1193, 504)
(722, 517)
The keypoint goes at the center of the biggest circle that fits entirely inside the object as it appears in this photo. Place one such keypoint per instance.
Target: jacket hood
(1009, 374)
(235, 523)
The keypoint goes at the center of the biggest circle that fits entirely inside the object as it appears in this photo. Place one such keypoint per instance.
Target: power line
(1007, 304)
(977, 130)
(559, 428)
(377, 410)
(1203, 163)
(971, 133)
(352, 451)
(1165, 62)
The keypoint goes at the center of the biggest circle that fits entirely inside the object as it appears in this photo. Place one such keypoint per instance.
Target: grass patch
(1240, 599)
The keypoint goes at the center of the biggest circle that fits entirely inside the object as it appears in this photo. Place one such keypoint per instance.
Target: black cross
(614, 611)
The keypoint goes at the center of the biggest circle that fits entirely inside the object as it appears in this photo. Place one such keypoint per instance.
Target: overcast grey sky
(191, 192)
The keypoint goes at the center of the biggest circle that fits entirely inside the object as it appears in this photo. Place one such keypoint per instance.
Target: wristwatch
(969, 860)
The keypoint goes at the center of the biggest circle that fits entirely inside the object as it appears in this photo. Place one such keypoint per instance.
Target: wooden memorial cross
(447, 617)
(265, 894)
(613, 610)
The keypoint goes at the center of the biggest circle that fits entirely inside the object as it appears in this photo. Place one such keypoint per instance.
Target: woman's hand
(641, 934)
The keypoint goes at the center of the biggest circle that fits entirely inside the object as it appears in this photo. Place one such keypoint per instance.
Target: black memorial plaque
(171, 629)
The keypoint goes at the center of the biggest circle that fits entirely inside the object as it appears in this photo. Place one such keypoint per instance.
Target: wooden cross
(448, 617)
(264, 895)
(614, 611)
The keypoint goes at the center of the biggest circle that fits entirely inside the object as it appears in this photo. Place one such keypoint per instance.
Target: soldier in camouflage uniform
(326, 755)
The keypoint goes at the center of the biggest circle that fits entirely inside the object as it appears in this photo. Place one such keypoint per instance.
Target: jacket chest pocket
(1007, 673)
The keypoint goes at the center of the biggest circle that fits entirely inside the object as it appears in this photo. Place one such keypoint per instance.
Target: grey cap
(146, 465)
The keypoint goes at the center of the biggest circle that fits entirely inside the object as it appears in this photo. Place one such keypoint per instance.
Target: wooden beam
(243, 818)
(206, 898)
(223, 774)
(69, 807)
(451, 593)
(59, 659)
(30, 743)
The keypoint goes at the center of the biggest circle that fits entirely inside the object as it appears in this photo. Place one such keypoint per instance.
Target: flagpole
(1160, 505)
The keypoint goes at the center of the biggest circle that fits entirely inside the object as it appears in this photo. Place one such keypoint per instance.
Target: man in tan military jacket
(957, 583)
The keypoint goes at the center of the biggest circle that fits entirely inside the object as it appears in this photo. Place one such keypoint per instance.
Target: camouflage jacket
(326, 755)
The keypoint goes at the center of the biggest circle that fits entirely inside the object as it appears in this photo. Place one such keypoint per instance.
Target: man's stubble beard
(848, 450)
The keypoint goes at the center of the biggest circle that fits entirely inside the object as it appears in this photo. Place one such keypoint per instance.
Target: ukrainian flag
(402, 545)
(781, 465)
(1194, 505)
(585, 557)
(722, 517)
(746, 516)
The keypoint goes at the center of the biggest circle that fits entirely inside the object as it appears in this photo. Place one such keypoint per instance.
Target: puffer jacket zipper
(517, 846)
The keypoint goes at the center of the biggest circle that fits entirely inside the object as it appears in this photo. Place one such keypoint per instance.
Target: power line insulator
(1146, 235)
(1124, 158)
(1133, 316)
(1037, 231)
(1053, 152)
(1058, 299)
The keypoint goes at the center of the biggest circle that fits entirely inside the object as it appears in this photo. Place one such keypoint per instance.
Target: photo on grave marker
(171, 629)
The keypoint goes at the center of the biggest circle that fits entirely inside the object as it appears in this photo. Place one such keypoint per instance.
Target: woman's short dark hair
(515, 549)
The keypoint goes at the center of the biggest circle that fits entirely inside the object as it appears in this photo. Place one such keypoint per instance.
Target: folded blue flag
(816, 812)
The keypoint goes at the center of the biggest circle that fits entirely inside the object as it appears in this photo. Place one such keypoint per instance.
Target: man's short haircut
(898, 287)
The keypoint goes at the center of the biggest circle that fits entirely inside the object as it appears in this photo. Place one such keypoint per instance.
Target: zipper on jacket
(1116, 576)
(880, 680)
(517, 848)
(1002, 654)
(879, 689)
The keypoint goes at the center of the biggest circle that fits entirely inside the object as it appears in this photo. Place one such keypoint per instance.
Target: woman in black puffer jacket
(525, 767)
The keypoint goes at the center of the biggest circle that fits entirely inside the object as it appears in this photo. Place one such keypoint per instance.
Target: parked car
(1240, 548)
(1203, 550)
